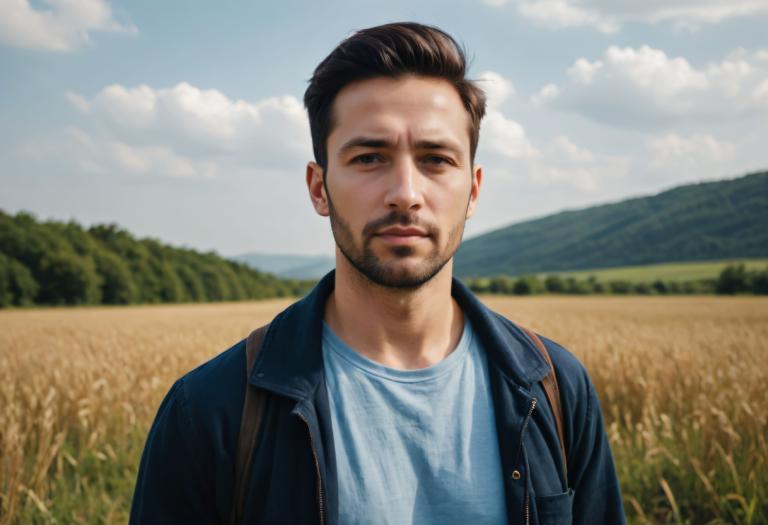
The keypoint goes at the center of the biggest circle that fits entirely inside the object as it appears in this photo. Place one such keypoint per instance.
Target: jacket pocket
(555, 509)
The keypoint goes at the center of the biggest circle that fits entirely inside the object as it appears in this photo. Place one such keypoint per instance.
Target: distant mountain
(726, 219)
(289, 266)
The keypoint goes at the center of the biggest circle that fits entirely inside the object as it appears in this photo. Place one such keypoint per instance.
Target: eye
(367, 158)
(436, 160)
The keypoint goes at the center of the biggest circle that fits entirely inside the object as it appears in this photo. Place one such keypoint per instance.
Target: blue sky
(183, 120)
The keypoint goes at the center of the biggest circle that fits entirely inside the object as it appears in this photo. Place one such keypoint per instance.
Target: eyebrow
(364, 142)
(446, 145)
(371, 142)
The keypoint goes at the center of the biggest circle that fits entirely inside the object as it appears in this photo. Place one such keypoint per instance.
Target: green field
(690, 271)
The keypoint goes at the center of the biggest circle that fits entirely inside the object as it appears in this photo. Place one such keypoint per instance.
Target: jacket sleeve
(592, 474)
(171, 487)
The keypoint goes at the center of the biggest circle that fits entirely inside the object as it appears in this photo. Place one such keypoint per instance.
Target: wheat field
(683, 383)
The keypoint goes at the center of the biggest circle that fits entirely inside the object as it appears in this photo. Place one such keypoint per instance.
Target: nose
(404, 192)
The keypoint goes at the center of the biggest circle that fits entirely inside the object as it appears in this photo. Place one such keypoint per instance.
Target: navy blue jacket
(187, 468)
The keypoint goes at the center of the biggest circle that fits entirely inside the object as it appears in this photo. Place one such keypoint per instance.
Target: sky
(183, 121)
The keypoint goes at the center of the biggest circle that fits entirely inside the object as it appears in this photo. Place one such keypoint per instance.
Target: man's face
(399, 184)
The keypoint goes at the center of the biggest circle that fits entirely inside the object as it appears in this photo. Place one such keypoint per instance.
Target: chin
(402, 274)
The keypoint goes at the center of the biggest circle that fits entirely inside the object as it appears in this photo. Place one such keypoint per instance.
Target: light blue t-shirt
(414, 446)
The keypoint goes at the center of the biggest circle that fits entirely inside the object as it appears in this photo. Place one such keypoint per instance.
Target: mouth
(399, 235)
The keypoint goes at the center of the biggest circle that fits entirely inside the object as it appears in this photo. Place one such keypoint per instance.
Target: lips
(402, 232)
(399, 236)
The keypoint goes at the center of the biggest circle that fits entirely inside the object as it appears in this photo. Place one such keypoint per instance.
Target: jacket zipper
(527, 500)
(320, 494)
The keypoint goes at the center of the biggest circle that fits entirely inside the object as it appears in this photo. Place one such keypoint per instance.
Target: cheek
(358, 193)
(353, 203)
(450, 200)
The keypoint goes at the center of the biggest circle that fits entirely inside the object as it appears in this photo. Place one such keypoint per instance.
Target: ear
(477, 180)
(317, 188)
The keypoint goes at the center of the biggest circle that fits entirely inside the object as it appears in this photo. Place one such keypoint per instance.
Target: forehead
(409, 107)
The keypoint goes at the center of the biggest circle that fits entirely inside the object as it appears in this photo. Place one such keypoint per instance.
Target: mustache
(395, 218)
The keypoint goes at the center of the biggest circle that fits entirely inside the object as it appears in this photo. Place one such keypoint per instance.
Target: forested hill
(63, 263)
(708, 221)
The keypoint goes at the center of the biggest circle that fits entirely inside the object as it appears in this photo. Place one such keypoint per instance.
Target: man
(391, 394)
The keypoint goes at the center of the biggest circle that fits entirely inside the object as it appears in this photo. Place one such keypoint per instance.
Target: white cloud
(567, 150)
(79, 102)
(583, 71)
(61, 25)
(501, 137)
(104, 156)
(134, 108)
(158, 159)
(546, 94)
(506, 150)
(558, 162)
(644, 87)
(200, 124)
(672, 158)
(557, 14)
(607, 16)
(504, 138)
(497, 88)
(565, 163)
(673, 151)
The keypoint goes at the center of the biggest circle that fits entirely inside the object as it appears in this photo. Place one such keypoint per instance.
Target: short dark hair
(389, 50)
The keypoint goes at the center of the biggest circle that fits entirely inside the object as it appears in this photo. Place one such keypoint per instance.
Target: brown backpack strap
(552, 391)
(250, 422)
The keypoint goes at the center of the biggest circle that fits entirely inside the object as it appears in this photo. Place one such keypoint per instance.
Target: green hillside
(56, 263)
(712, 221)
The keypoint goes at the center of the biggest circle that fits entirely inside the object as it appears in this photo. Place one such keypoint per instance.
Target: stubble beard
(393, 275)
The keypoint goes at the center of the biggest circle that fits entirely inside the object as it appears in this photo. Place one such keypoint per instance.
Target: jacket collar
(291, 361)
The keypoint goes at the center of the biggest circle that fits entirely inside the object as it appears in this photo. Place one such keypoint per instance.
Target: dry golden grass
(78, 390)
(683, 383)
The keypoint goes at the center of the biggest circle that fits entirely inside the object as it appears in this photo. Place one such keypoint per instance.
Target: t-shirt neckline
(333, 343)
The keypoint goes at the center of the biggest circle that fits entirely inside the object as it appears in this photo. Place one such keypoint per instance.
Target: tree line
(62, 263)
(733, 279)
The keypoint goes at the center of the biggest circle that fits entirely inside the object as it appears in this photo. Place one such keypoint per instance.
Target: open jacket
(187, 468)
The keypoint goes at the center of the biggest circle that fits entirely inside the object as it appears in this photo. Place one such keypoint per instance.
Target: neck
(399, 328)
